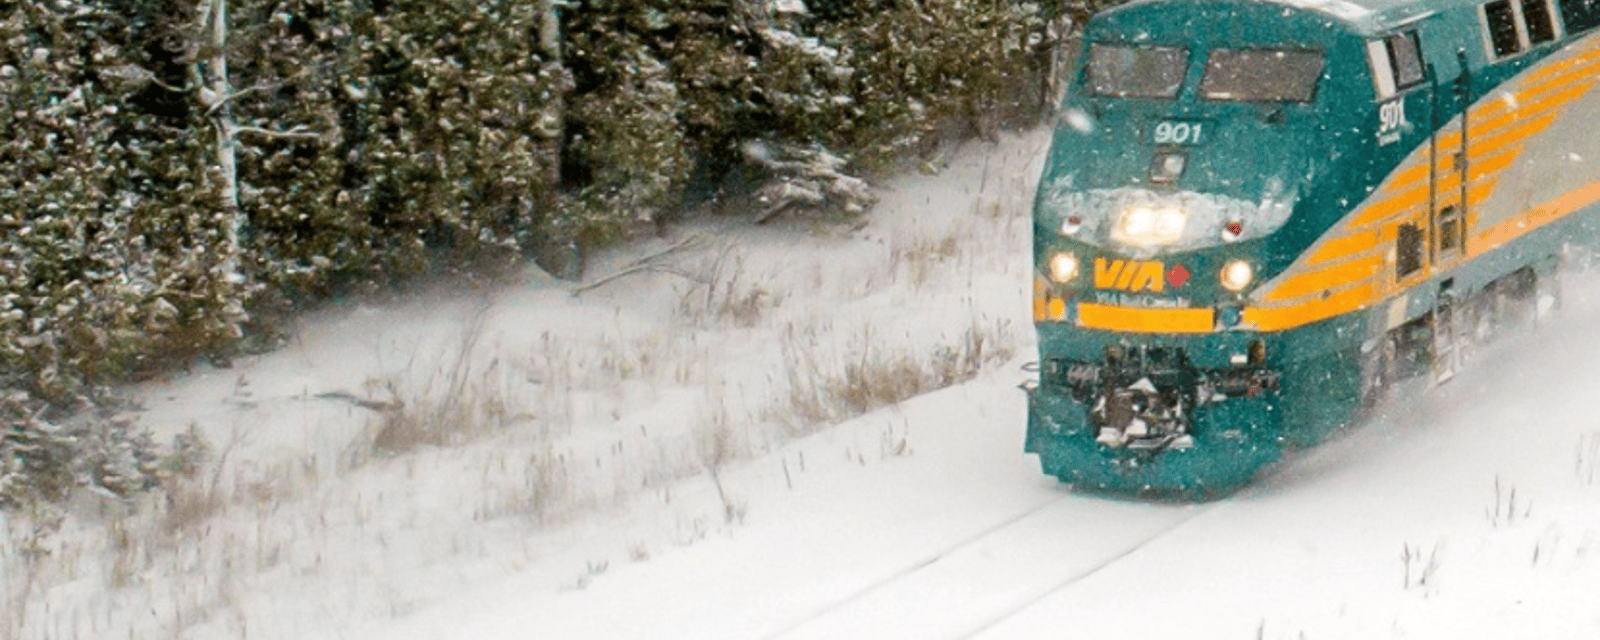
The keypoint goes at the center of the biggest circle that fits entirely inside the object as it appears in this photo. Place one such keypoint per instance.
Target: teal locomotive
(1255, 215)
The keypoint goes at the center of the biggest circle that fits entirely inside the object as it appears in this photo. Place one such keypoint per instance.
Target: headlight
(1236, 275)
(1063, 267)
(1145, 226)
(1139, 222)
(1169, 222)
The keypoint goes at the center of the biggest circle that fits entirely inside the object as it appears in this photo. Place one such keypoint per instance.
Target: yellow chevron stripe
(1417, 196)
(1326, 279)
(1492, 120)
(1346, 246)
(1265, 318)
(1269, 317)
(1579, 69)
(1543, 95)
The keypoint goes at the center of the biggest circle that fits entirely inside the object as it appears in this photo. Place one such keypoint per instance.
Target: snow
(657, 458)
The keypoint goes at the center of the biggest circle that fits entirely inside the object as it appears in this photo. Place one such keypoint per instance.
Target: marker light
(1232, 230)
(1145, 226)
(1071, 225)
(1063, 267)
(1236, 275)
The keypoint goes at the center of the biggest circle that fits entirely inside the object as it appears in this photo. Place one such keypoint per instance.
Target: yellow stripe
(1487, 142)
(1145, 320)
(1544, 96)
(1288, 317)
(1544, 80)
(1347, 246)
(1325, 279)
(1277, 318)
(1411, 174)
(1539, 216)
(1404, 201)
(1489, 134)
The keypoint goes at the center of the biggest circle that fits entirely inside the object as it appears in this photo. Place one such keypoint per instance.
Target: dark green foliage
(41, 461)
(149, 218)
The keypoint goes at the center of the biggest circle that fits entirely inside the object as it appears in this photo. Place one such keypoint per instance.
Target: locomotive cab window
(1396, 63)
(1539, 20)
(1127, 71)
(1261, 75)
(1514, 26)
(1502, 22)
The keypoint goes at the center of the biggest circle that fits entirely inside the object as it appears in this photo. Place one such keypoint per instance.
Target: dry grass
(1506, 510)
(28, 551)
(878, 375)
(496, 424)
(918, 258)
(1421, 568)
(724, 293)
(456, 402)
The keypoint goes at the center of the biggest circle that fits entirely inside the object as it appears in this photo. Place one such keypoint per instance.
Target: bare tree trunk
(559, 255)
(550, 30)
(210, 77)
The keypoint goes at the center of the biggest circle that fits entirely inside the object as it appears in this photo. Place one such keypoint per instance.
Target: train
(1257, 218)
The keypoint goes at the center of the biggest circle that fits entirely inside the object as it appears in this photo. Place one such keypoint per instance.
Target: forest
(181, 178)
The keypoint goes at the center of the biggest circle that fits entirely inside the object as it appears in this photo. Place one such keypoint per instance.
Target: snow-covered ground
(710, 448)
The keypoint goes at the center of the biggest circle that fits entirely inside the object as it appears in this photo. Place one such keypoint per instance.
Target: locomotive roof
(1361, 16)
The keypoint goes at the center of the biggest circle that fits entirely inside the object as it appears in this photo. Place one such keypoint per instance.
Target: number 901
(1170, 132)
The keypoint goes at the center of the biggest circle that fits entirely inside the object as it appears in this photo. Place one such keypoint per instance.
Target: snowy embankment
(394, 454)
(709, 448)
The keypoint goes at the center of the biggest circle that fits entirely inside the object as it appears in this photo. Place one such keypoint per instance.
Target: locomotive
(1257, 216)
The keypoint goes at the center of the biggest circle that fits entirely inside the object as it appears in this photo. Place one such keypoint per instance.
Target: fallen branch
(380, 406)
(649, 263)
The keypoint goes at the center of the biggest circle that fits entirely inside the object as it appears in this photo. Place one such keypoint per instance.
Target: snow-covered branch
(296, 132)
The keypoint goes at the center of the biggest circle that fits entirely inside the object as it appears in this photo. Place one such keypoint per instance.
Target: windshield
(1261, 75)
(1136, 71)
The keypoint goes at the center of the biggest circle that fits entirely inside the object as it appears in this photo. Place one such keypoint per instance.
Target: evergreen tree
(172, 167)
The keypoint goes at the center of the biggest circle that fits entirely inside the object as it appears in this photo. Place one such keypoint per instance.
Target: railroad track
(975, 583)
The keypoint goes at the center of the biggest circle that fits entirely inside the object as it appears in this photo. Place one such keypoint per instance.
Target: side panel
(1532, 160)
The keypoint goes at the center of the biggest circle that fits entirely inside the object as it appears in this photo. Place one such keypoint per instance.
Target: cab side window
(1541, 25)
(1514, 26)
(1503, 37)
(1397, 63)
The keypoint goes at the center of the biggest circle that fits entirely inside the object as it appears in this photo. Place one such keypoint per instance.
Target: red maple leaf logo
(1177, 276)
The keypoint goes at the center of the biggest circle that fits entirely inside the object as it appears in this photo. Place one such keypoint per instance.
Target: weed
(1505, 510)
(718, 446)
(917, 257)
(546, 481)
(1420, 571)
(721, 293)
(465, 404)
(881, 373)
(28, 543)
(894, 442)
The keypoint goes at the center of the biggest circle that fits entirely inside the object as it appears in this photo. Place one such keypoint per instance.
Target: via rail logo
(1138, 275)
